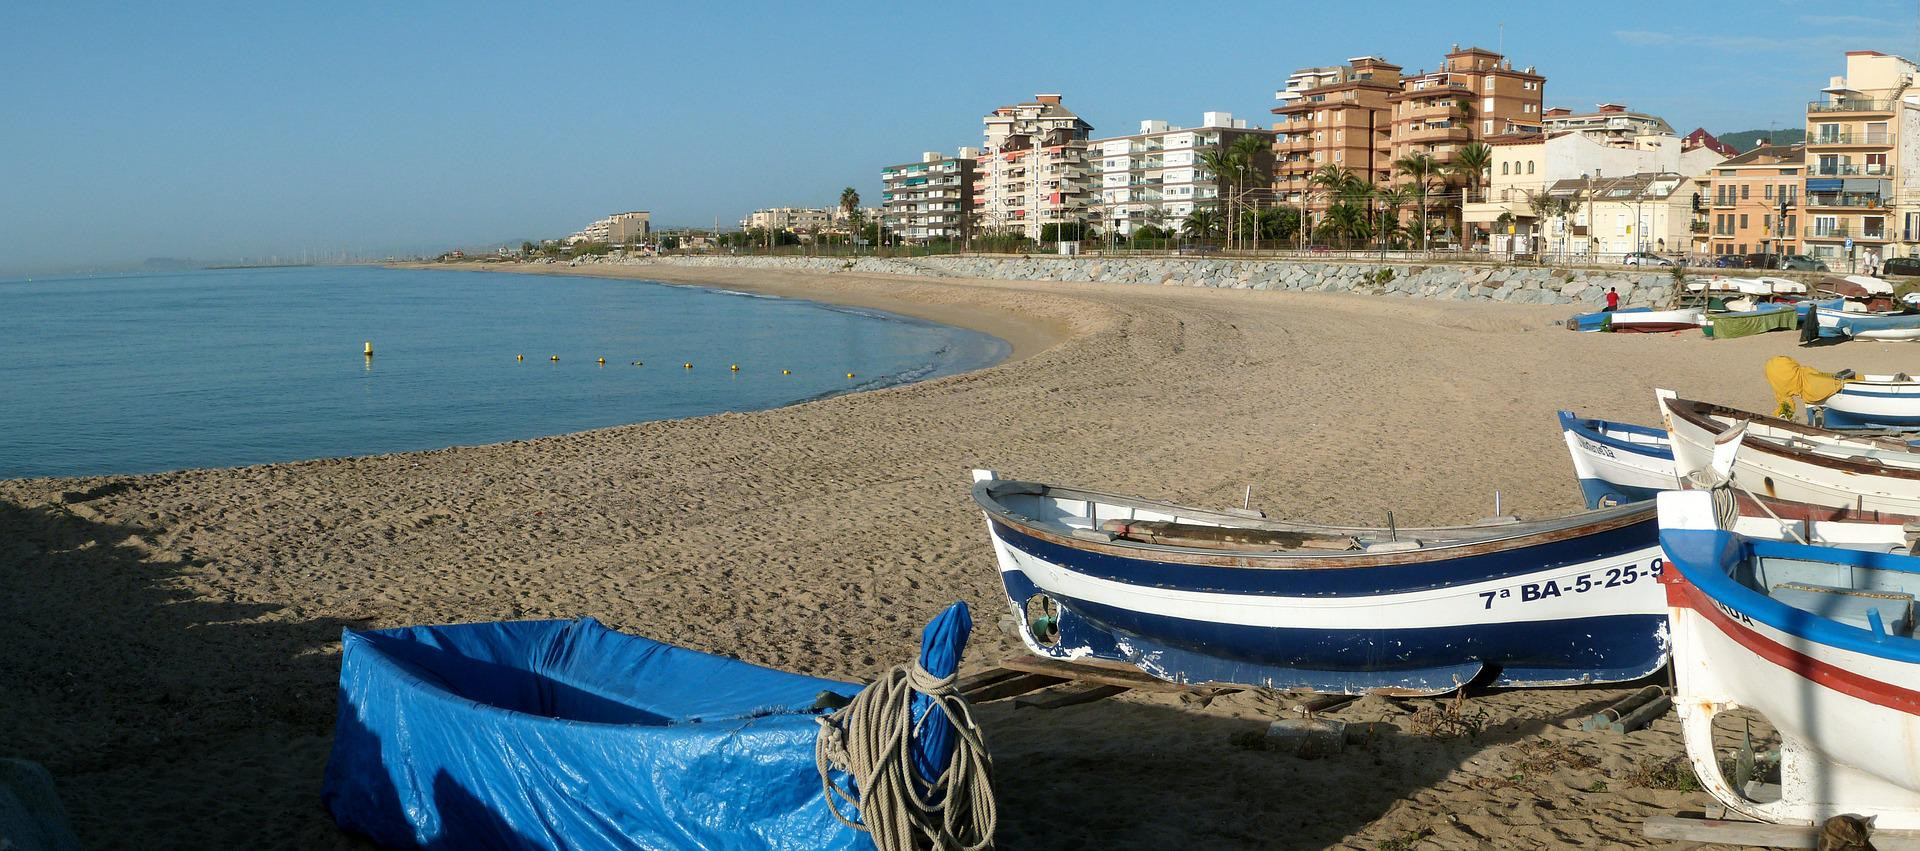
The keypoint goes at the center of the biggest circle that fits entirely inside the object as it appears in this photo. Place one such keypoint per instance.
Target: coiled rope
(1726, 507)
(871, 739)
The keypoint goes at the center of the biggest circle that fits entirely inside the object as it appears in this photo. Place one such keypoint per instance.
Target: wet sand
(172, 639)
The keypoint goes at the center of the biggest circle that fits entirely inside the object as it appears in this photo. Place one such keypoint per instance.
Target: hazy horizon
(213, 133)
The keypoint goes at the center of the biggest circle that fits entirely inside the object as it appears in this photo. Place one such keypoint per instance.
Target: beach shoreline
(174, 637)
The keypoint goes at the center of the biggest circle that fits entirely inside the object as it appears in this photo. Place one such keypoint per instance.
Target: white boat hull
(1765, 471)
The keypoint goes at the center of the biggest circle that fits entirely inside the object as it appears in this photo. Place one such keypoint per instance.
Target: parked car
(1731, 261)
(1763, 260)
(1802, 263)
(1645, 258)
(1903, 266)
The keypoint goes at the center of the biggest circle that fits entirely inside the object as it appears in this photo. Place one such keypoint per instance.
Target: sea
(220, 368)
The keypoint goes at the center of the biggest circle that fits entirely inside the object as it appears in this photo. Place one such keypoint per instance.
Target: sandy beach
(172, 639)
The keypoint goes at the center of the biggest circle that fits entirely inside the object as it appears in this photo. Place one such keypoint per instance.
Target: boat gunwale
(1691, 411)
(1535, 533)
(1572, 422)
(1715, 584)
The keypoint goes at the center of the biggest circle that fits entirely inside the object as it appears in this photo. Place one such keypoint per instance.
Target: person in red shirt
(1613, 299)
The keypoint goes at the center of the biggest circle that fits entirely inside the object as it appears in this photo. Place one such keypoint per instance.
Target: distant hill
(1747, 140)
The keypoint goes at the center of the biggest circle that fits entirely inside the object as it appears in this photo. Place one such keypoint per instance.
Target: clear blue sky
(215, 131)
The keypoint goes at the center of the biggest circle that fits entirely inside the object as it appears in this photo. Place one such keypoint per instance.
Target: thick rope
(1726, 507)
(871, 739)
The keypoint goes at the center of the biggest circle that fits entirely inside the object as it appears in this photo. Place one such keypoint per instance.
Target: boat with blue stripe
(1818, 640)
(1871, 402)
(1617, 463)
(1229, 597)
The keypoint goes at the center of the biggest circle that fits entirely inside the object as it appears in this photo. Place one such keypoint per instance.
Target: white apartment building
(616, 229)
(930, 200)
(1033, 170)
(805, 221)
(1155, 177)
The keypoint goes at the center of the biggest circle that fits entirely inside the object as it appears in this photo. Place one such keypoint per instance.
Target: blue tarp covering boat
(567, 734)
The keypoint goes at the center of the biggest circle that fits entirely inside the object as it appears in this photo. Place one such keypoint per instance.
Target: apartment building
(1609, 123)
(1475, 94)
(930, 200)
(1753, 202)
(1034, 170)
(1617, 215)
(806, 222)
(1155, 176)
(1862, 155)
(616, 229)
(1335, 115)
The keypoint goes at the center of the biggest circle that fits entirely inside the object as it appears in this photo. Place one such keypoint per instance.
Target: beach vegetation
(1672, 773)
(1449, 720)
(1063, 231)
(1405, 841)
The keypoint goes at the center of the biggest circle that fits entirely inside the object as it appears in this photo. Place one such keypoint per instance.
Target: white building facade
(1155, 177)
(1033, 170)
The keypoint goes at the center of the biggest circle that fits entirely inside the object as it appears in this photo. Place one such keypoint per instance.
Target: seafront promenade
(174, 637)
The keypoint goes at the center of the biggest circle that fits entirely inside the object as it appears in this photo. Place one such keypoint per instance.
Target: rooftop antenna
(1501, 41)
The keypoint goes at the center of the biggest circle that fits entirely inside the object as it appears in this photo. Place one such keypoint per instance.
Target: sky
(227, 131)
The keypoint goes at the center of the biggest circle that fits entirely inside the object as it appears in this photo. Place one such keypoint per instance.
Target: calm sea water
(225, 368)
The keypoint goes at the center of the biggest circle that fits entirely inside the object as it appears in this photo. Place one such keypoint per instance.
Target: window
(1743, 221)
(1489, 85)
(1767, 190)
(1766, 221)
(1487, 103)
(1876, 163)
(1529, 166)
(1503, 168)
(1486, 127)
(1526, 107)
(1745, 190)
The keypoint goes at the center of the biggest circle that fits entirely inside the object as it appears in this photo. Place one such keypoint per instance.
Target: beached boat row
(1851, 307)
(1766, 560)
(1781, 583)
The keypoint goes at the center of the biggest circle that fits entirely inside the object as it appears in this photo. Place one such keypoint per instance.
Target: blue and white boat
(1197, 596)
(1869, 326)
(1871, 402)
(1819, 641)
(1617, 463)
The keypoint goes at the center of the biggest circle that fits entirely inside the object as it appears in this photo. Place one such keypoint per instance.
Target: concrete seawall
(1514, 284)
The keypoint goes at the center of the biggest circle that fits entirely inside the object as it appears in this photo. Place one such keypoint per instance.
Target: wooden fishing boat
(1617, 463)
(1819, 640)
(1872, 402)
(1655, 321)
(1197, 596)
(1869, 326)
(567, 734)
(1798, 471)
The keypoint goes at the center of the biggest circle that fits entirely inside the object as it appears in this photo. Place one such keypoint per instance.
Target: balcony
(1872, 202)
(1849, 170)
(1852, 105)
(1847, 230)
(1849, 137)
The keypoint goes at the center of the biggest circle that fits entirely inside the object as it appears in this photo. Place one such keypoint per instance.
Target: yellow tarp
(1790, 379)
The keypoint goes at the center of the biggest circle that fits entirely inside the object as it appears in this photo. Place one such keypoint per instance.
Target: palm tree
(1221, 162)
(1421, 169)
(1330, 180)
(1248, 153)
(1392, 198)
(1471, 163)
(849, 202)
(1202, 223)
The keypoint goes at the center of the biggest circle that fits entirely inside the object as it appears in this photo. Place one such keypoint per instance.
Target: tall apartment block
(1862, 154)
(1034, 169)
(1337, 115)
(1155, 177)
(1476, 93)
(616, 229)
(930, 200)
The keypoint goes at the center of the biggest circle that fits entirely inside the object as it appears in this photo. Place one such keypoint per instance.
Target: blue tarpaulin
(566, 734)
